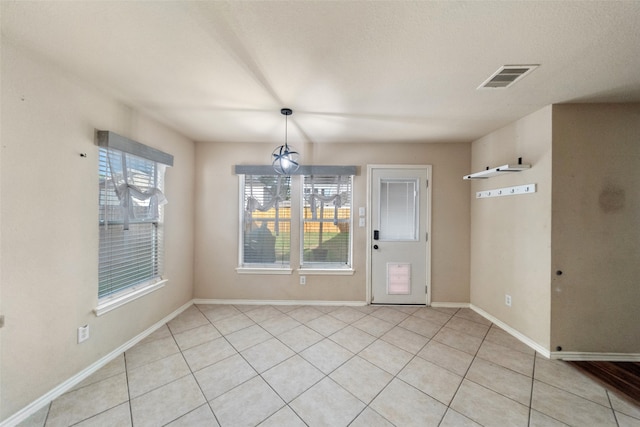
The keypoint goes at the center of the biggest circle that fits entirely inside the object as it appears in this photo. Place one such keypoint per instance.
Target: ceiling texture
(352, 71)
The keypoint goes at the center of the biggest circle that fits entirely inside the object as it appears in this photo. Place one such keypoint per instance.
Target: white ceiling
(352, 71)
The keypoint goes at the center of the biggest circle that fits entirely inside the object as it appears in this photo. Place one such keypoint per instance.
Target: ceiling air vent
(506, 76)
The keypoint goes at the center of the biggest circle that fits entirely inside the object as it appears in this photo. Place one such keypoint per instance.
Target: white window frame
(124, 148)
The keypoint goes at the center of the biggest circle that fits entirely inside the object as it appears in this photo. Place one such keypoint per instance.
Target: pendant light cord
(286, 132)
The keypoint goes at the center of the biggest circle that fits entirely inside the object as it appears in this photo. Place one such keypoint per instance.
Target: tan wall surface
(596, 228)
(510, 236)
(217, 219)
(49, 227)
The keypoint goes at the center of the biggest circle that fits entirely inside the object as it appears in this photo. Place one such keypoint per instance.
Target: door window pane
(398, 210)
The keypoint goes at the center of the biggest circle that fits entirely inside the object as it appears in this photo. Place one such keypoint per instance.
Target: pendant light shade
(285, 159)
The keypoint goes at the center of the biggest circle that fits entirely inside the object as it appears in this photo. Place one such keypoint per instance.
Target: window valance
(302, 170)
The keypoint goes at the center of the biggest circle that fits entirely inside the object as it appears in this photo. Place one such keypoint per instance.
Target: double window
(130, 216)
(321, 205)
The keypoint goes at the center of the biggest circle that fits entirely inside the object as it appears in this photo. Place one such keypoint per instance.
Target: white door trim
(369, 227)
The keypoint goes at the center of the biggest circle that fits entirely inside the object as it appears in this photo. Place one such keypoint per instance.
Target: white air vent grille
(506, 76)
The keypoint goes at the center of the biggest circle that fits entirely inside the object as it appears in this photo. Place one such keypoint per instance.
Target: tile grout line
(466, 372)
(367, 405)
(395, 376)
(615, 418)
(126, 375)
(533, 379)
(191, 372)
(258, 374)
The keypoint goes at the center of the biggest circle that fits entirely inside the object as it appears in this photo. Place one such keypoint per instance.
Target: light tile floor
(223, 365)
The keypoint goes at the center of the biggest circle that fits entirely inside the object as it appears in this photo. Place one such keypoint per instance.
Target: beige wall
(49, 227)
(510, 236)
(217, 218)
(596, 228)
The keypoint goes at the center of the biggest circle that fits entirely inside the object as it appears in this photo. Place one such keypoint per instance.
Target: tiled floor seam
(577, 395)
(465, 375)
(259, 374)
(615, 417)
(192, 373)
(126, 376)
(395, 376)
(328, 375)
(533, 379)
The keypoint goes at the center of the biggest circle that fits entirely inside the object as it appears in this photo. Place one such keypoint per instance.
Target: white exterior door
(399, 237)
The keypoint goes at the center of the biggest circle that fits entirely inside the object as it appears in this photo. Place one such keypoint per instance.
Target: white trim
(450, 304)
(429, 215)
(325, 271)
(523, 338)
(585, 356)
(248, 270)
(562, 355)
(111, 303)
(276, 302)
(67, 385)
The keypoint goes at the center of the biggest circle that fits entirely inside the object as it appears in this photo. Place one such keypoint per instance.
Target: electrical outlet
(303, 280)
(83, 333)
(507, 300)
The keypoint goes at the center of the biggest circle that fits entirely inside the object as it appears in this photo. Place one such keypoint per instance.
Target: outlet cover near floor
(83, 333)
(507, 300)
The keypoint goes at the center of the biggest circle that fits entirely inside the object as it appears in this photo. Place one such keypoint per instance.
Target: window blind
(130, 221)
(326, 221)
(266, 225)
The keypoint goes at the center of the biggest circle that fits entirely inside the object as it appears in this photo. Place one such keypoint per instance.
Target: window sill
(326, 271)
(262, 270)
(113, 302)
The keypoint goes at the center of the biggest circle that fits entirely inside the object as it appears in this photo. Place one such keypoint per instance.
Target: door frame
(370, 168)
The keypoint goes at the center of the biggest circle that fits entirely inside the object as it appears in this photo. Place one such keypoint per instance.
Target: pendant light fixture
(285, 158)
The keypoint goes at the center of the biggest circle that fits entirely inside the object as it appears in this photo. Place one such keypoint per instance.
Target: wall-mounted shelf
(488, 173)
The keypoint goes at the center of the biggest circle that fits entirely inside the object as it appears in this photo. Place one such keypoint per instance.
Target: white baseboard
(562, 355)
(450, 304)
(523, 338)
(589, 356)
(275, 302)
(61, 389)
